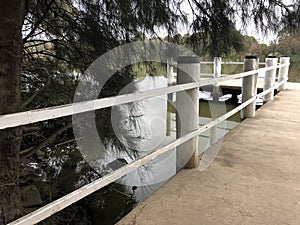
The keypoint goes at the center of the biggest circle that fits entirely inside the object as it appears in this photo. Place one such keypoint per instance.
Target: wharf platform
(255, 178)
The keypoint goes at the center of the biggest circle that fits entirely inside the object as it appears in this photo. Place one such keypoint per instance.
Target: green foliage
(291, 20)
(289, 44)
(61, 39)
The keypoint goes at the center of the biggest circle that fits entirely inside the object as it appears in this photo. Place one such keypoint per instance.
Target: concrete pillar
(249, 86)
(283, 72)
(170, 73)
(270, 76)
(170, 78)
(217, 74)
(187, 112)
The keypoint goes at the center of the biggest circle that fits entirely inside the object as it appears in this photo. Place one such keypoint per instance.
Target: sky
(250, 30)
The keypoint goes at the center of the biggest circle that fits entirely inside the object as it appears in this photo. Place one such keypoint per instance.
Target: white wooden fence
(249, 97)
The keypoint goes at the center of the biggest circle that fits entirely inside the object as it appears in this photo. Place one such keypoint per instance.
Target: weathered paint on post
(216, 94)
(170, 77)
(217, 74)
(270, 76)
(187, 109)
(283, 72)
(249, 88)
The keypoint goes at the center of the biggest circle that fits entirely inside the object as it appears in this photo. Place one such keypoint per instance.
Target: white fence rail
(22, 118)
(28, 117)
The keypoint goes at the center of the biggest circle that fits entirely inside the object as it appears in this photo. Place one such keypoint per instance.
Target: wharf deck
(255, 178)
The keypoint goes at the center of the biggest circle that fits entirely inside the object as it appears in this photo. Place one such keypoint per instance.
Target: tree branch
(38, 42)
(65, 142)
(40, 90)
(30, 151)
(38, 22)
(46, 54)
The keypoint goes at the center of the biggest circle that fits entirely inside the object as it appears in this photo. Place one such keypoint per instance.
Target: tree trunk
(11, 46)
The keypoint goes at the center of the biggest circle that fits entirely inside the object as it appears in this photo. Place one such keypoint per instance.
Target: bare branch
(39, 21)
(38, 42)
(30, 151)
(40, 90)
(65, 142)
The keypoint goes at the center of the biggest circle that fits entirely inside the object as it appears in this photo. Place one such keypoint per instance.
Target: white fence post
(283, 72)
(187, 111)
(249, 86)
(170, 73)
(270, 76)
(170, 78)
(217, 73)
(216, 93)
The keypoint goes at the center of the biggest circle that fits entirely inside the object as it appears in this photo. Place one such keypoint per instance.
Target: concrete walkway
(255, 178)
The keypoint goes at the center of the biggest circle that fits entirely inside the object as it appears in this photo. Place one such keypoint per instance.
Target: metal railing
(249, 77)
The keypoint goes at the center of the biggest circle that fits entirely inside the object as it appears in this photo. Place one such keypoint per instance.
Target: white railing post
(217, 74)
(187, 111)
(270, 76)
(283, 72)
(216, 93)
(249, 86)
(170, 73)
(170, 78)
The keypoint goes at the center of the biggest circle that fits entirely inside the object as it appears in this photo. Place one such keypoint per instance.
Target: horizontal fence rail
(22, 118)
(262, 94)
(88, 189)
(38, 115)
